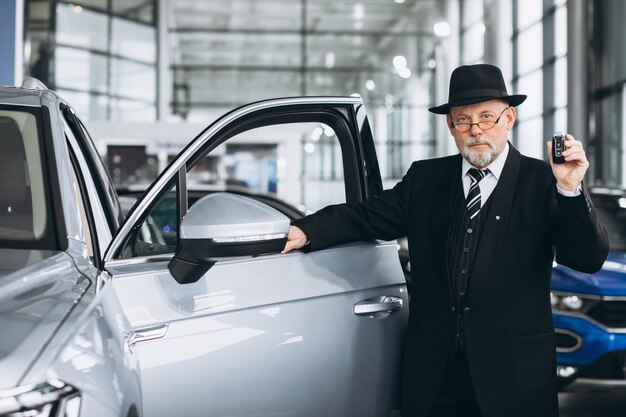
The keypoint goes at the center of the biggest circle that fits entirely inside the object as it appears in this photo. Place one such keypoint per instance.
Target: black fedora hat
(471, 84)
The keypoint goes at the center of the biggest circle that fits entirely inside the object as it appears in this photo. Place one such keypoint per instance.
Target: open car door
(223, 324)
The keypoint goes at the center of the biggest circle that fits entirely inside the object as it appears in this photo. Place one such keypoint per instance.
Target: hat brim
(513, 100)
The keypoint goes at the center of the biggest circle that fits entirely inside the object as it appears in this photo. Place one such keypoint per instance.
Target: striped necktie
(473, 196)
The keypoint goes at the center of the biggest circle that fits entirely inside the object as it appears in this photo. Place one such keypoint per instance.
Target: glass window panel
(132, 111)
(80, 70)
(612, 46)
(354, 51)
(88, 106)
(227, 49)
(530, 137)
(560, 35)
(473, 44)
(38, 11)
(532, 86)
(81, 27)
(560, 120)
(133, 80)
(560, 82)
(246, 14)
(528, 12)
(471, 12)
(142, 10)
(133, 40)
(530, 49)
(95, 4)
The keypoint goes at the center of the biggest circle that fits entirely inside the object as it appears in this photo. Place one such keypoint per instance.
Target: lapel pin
(497, 217)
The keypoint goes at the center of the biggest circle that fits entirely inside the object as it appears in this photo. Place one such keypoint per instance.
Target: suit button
(467, 310)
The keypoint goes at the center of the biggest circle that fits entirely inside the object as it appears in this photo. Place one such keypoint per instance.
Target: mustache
(477, 140)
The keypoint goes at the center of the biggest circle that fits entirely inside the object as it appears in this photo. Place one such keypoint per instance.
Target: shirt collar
(495, 167)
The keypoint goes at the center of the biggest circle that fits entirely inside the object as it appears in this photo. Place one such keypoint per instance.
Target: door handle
(149, 333)
(381, 304)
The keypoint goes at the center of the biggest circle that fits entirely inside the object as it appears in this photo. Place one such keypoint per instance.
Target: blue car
(590, 310)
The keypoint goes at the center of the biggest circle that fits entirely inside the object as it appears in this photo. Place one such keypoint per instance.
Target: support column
(11, 42)
(164, 97)
(447, 56)
(577, 69)
(498, 22)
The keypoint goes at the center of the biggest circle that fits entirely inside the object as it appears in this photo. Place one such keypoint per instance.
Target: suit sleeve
(381, 217)
(580, 240)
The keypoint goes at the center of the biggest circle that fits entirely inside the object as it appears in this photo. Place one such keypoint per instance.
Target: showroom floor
(580, 401)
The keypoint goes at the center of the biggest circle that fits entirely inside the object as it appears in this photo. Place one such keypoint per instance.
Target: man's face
(480, 147)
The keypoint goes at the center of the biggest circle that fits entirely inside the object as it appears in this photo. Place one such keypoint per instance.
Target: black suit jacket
(509, 336)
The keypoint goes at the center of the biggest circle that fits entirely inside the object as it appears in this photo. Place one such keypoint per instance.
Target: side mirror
(221, 225)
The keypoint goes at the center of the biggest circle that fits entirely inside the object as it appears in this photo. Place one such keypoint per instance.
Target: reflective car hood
(37, 291)
(610, 280)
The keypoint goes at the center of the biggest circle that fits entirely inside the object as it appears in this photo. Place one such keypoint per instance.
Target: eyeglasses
(484, 125)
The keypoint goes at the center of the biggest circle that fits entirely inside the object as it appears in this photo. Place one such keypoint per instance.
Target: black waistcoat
(463, 243)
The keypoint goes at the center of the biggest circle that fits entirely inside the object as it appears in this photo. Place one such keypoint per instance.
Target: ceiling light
(399, 1)
(389, 100)
(316, 134)
(432, 64)
(622, 202)
(399, 62)
(359, 11)
(309, 148)
(330, 60)
(328, 131)
(404, 73)
(442, 29)
(370, 85)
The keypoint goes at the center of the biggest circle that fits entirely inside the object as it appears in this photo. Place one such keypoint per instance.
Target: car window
(96, 167)
(83, 208)
(25, 214)
(302, 171)
(302, 167)
(158, 229)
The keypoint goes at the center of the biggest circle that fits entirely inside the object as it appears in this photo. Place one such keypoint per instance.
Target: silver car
(205, 319)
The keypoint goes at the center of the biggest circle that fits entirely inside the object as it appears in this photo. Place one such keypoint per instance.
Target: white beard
(479, 159)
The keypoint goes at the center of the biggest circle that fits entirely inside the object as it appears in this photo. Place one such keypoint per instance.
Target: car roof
(28, 94)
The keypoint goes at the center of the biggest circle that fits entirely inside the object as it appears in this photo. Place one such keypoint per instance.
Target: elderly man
(483, 228)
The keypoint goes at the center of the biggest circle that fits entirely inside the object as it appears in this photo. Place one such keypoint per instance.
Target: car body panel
(609, 281)
(91, 349)
(228, 334)
(34, 300)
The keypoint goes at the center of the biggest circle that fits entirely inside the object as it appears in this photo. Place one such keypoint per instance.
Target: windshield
(612, 213)
(24, 216)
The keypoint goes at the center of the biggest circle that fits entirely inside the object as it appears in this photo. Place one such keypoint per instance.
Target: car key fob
(558, 146)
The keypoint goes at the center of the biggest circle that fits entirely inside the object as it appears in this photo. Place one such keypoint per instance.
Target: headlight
(571, 302)
(49, 399)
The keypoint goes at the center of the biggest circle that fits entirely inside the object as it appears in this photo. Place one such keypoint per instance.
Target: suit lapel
(442, 214)
(496, 221)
